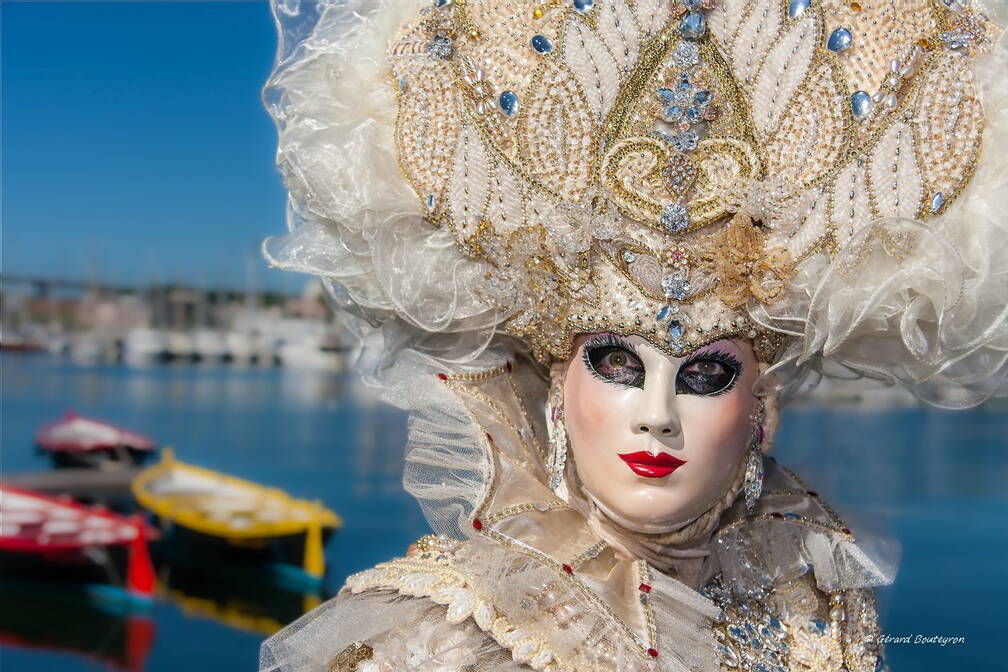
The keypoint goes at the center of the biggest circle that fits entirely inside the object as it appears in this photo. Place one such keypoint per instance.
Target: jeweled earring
(754, 464)
(557, 459)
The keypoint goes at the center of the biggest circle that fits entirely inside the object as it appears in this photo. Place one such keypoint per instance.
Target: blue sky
(135, 147)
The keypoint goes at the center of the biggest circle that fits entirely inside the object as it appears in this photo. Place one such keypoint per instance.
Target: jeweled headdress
(818, 176)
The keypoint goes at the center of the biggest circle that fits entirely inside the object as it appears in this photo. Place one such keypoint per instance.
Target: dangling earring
(557, 459)
(754, 464)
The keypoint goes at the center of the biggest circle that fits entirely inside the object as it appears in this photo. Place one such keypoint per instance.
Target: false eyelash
(609, 339)
(719, 356)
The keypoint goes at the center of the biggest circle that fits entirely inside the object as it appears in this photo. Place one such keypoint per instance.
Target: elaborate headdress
(820, 177)
(825, 178)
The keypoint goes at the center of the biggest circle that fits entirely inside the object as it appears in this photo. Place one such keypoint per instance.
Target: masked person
(590, 246)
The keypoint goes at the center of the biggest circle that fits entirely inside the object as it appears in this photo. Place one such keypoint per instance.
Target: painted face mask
(658, 439)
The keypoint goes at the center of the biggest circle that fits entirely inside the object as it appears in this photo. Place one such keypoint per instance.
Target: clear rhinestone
(675, 217)
(676, 286)
(687, 54)
(440, 47)
(937, 201)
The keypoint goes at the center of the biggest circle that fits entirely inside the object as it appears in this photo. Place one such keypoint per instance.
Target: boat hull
(277, 558)
(98, 458)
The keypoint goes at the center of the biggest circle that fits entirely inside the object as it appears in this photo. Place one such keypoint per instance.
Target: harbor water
(932, 480)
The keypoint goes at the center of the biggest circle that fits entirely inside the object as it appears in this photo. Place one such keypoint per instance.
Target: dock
(87, 484)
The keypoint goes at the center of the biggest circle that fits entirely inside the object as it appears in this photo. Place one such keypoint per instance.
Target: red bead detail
(644, 588)
(846, 530)
(489, 437)
(442, 376)
(812, 493)
(509, 367)
(653, 653)
(477, 524)
(776, 514)
(567, 568)
(759, 436)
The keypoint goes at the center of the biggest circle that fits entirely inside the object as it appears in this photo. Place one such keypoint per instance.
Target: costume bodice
(786, 587)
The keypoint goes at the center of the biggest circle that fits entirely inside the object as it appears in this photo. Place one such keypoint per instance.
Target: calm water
(933, 480)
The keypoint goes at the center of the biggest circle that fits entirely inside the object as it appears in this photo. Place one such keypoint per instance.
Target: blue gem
(584, 6)
(684, 82)
(663, 313)
(937, 201)
(702, 97)
(839, 40)
(693, 115)
(796, 8)
(861, 103)
(509, 102)
(686, 141)
(675, 330)
(672, 113)
(693, 26)
(430, 202)
(442, 3)
(668, 95)
(542, 44)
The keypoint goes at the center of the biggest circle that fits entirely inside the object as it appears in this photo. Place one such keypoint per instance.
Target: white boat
(144, 346)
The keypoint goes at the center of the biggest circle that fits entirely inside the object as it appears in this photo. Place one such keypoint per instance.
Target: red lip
(651, 466)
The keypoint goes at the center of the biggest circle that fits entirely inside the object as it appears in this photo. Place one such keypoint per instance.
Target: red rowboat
(78, 441)
(57, 538)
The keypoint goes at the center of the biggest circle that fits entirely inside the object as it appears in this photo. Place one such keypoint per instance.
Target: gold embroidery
(349, 658)
(744, 268)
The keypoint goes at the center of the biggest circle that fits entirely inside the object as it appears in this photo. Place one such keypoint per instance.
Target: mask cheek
(715, 436)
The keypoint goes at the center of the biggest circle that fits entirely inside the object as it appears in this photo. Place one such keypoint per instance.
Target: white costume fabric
(478, 182)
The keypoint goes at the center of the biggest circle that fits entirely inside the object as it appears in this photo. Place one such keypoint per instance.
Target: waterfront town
(89, 322)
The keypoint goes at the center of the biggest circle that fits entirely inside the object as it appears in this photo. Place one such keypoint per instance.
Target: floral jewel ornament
(676, 286)
(440, 28)
(968, 28)
(685, 105)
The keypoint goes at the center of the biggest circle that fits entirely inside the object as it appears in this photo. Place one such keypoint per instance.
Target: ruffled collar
(538, 544)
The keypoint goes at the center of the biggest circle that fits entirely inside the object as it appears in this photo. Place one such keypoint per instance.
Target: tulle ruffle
(921, 304)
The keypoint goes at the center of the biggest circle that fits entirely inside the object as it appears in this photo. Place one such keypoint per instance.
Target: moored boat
(59, 540)
(74, 440)
(208, 514)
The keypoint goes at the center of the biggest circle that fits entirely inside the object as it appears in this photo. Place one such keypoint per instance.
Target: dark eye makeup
(613, 359)
(708, 373)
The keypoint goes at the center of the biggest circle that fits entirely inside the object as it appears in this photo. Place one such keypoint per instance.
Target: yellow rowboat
(209, 516)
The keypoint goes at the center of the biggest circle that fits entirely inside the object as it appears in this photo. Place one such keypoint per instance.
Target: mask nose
(656, 414)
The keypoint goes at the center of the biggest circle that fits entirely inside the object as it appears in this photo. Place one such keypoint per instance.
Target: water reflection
(232, 595)
(934, 479)
(57, 617)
